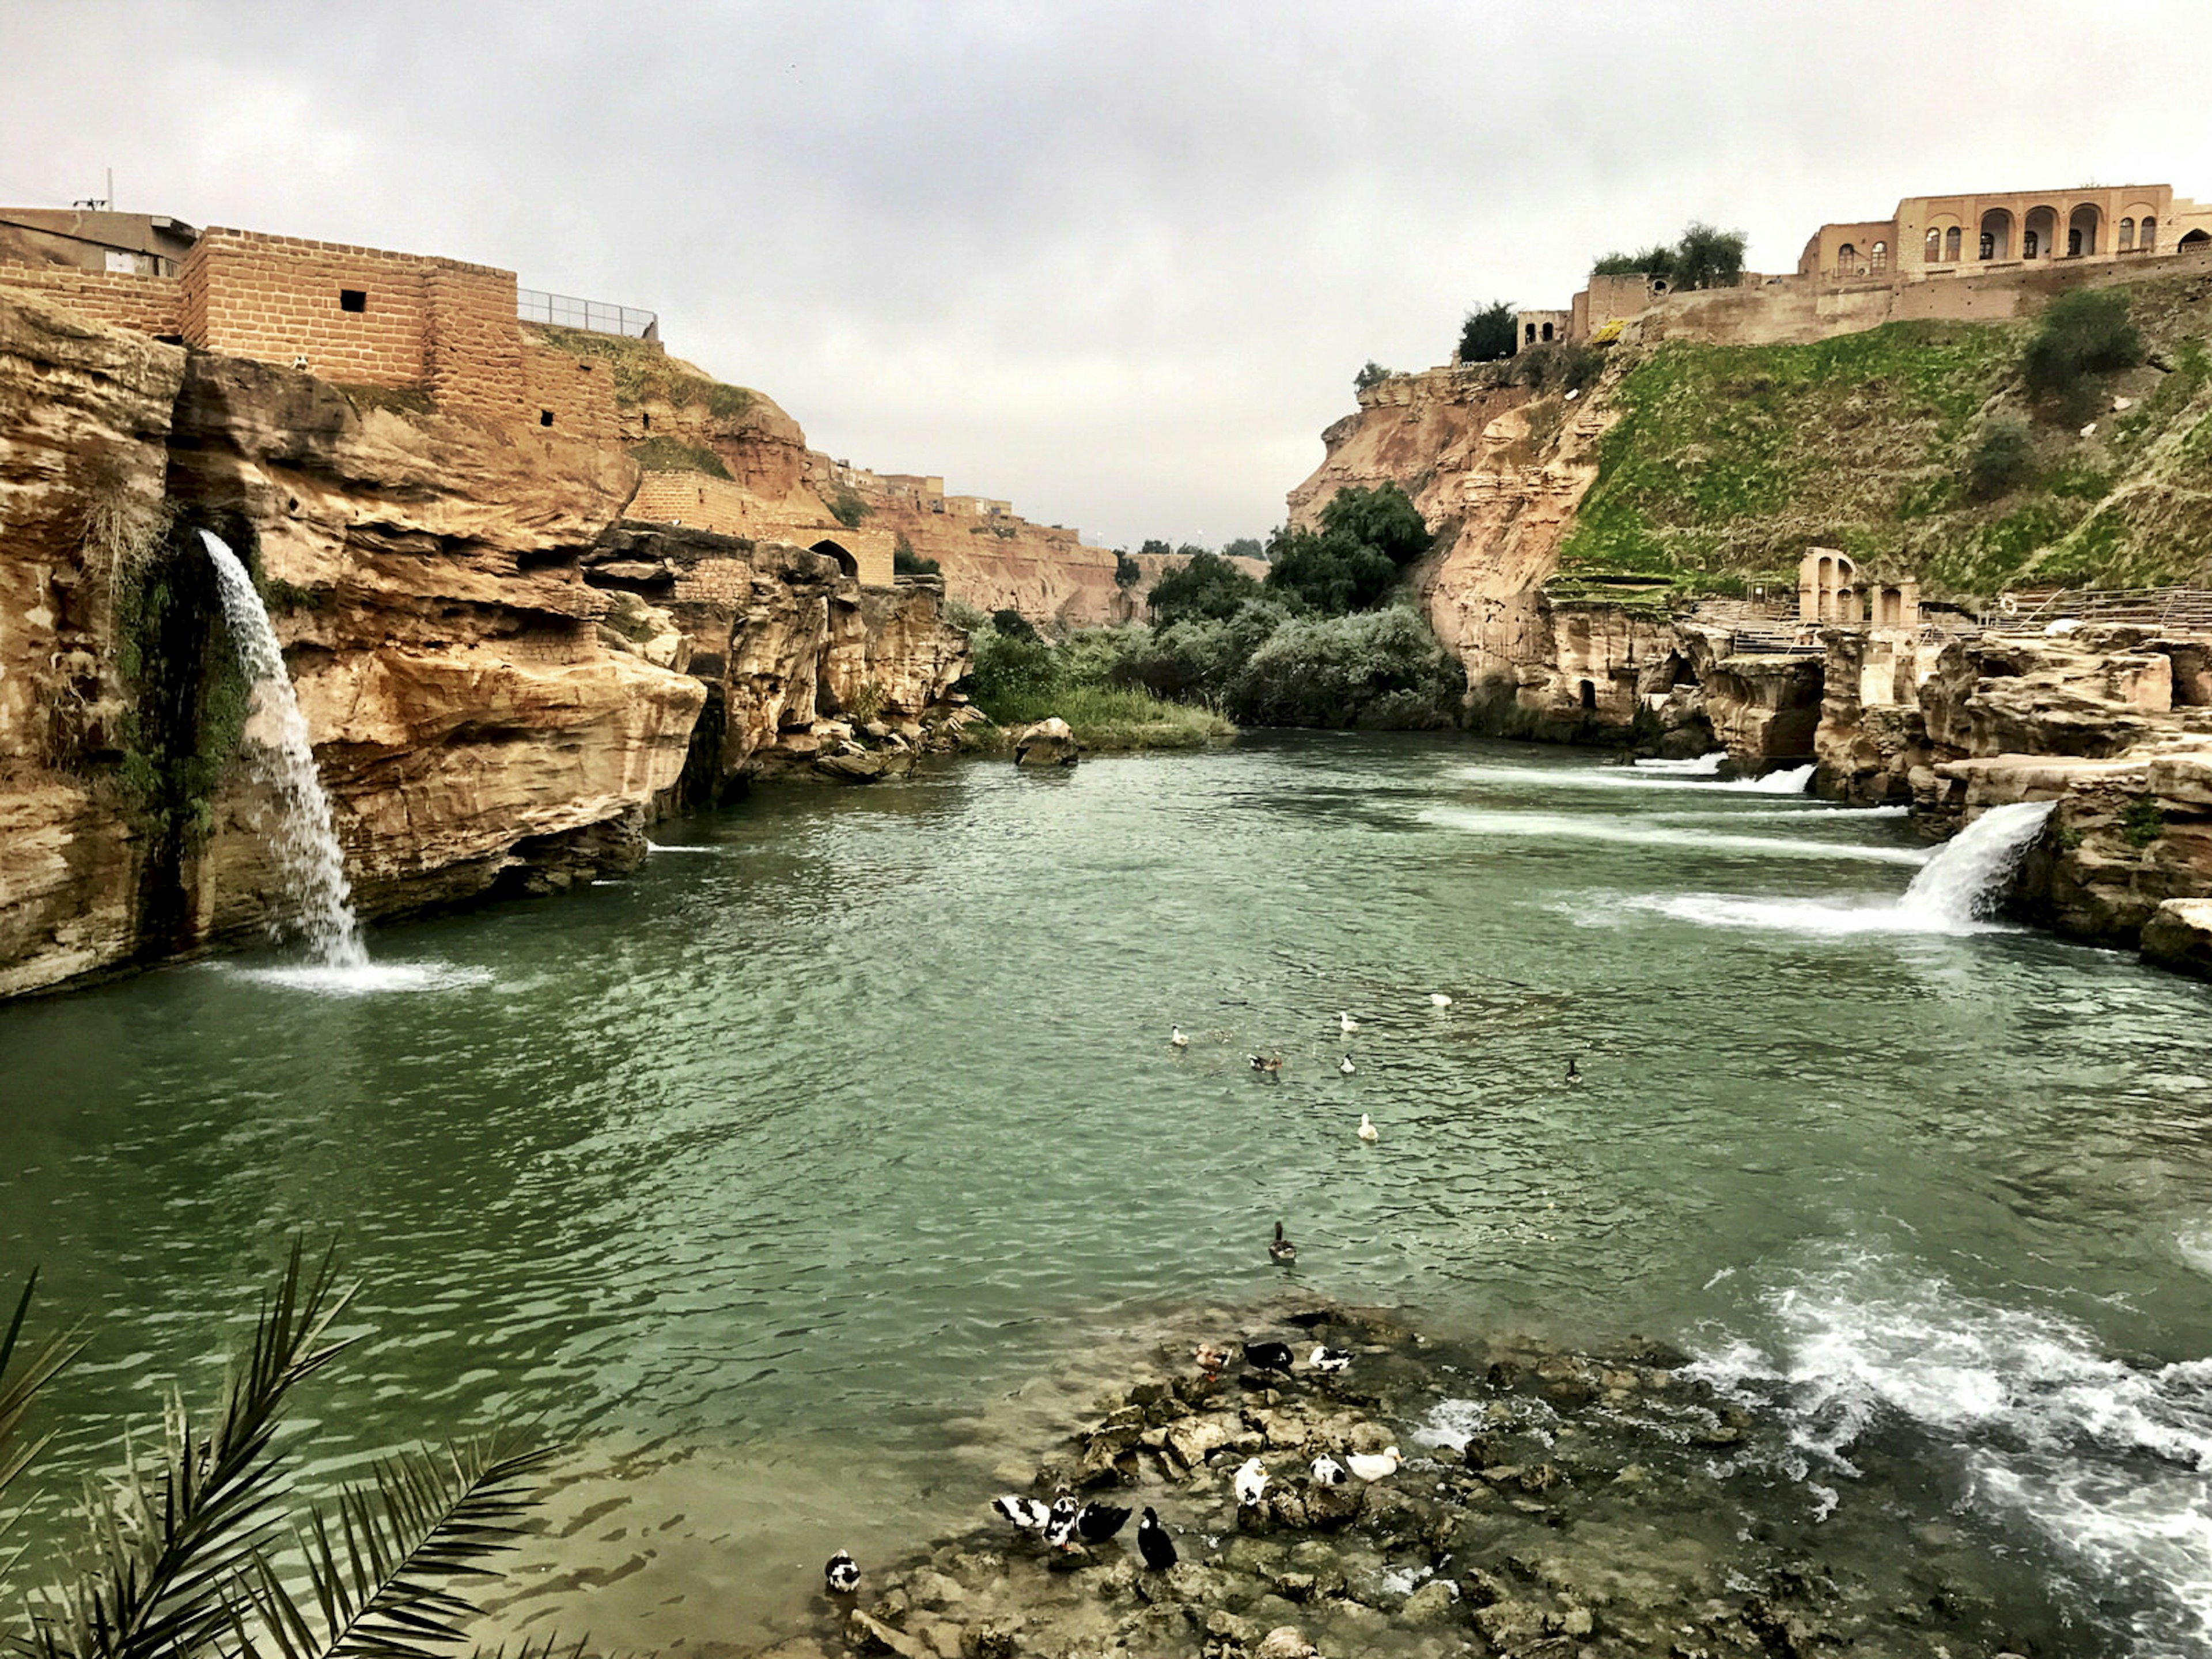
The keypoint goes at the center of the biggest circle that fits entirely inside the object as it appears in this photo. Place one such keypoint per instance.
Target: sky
(1118, 262)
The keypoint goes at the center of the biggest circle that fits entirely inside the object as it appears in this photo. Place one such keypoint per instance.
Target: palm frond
(550, 1647)
(381, 1558)
(39, 1369)
(167, 1544)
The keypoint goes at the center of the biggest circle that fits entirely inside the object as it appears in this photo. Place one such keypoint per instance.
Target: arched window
(1547, 331)
(2149, 236)
(1933, 249)
(1847, 259)
(1531, 340)
(1951, 237)
(1989, 247)
(1879, 259)
(2127, 236)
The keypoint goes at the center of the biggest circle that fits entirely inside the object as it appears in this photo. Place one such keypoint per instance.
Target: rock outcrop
(502, 679)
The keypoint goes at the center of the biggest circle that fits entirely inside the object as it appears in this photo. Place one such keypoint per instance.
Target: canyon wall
(501, 677)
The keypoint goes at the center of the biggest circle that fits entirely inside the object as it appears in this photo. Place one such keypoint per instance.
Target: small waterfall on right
(1966, 879)
(307, 847)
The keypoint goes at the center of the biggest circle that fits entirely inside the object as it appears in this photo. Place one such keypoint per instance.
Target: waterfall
(1966, 879)
(308, 854)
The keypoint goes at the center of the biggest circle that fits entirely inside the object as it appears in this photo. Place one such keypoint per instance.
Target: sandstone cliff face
(499, 682)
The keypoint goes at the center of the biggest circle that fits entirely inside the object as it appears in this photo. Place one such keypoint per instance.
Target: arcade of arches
(1829, 590)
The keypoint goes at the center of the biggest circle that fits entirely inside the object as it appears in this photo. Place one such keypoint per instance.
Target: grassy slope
(1728, 461)
(1103, 717)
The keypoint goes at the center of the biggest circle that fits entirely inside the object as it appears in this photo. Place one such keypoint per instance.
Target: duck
(842, 1574)
(1368, 1132)
(1329, 1360)
(1060, 1523)
(1327, 1472)
(1023, 1514)
(1269, 1357)
(1153, 1542)
(1266, 1065)
(1346, 1024)
(1345, 1065)
(1176, 1037)
(1439, 999)
(1282, 1250)
(1211, 1357)
(1251, 1482)
(1376, 1466)
(1574, 1073)
(1100, 1522)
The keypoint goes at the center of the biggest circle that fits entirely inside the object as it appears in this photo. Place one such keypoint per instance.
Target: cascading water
(308, 853)
(1966, 879)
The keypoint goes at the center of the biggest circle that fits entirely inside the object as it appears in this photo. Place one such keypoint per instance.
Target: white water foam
(307, 849)
(2194, 1247)
(1793, 781)
(1560, 826)
(1958, 891)
(1704, 766)
(2110, 1462)
(655, 846)
(363, 979)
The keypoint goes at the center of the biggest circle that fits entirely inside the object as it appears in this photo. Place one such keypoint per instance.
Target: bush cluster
(1705, 257)
(1486, 336)
(2003, 457)
(2084, 334)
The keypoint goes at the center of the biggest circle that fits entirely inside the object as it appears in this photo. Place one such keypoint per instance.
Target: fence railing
(2185, 610)
(566, 311)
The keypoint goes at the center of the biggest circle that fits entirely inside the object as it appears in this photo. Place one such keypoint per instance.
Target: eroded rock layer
(501, 678)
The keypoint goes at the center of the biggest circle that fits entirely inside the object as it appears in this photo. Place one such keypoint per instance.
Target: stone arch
(1996, 233)
(1877, 257)
(2039, 237)
(1547, 331)
(1825, 577)
(846, 561)
(1931, 251)
(1589, 696)
(2081, 227)
(1847, 259)
(1953, 240)
(2126, 238)
(2195, 239)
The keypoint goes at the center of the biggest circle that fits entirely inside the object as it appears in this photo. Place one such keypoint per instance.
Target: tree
(1010, 622)
(1384, 518)
(1155, 549)
(1657, 260)
(1243, 547)
(1373, 374)
(1708, 258)
(1486, 335)
(1127, 572)
(905, 561)
(1206, 586)
(1351, 563)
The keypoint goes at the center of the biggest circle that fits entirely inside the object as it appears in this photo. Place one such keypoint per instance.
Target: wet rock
(1431, 1604)
(1296, 1587)
(1284, 1642)
(872, 1635)
(1047, 743)
(929, 1588)
(1224, 1625)
(1510, 1623)
(1189, 1442)
(991, 1640)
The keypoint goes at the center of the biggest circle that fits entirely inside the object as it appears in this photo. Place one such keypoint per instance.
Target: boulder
(1049, 743)
(2178, 935)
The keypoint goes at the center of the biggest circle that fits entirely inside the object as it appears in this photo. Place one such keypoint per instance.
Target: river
(792, 1179)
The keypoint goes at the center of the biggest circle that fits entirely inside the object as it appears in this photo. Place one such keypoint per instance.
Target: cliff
(500, 676)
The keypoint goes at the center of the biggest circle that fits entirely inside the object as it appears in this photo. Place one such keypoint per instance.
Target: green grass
(1103, 717)
(643, 371)
(1727, 462)
(674, 455)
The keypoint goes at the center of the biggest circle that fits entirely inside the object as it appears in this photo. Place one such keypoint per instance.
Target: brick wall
(578, 393)
(151, 305)
(730, 509)
(277, 298)
(473, 345)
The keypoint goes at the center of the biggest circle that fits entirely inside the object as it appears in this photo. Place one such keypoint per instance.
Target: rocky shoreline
(1550, 1503)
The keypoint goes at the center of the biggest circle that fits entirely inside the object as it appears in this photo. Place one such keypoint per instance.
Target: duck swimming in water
(1368, 1132)
(1574, 1073)
(1177, 1039)
(1266, 1065)
(1345, 1065)
(842, 1576)
(1439, 999)
(1346, 1024)
(1282, 1250)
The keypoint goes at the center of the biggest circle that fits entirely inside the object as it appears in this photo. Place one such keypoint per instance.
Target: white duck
(1439, 999)
(1346, 1024)
(1375, 1465)
(1368, 1132)
(1251, 1482)
(1345, 1065)
(1176, 1037)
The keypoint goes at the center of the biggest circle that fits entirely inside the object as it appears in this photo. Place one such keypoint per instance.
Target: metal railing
(566, 311)
(2182, 610)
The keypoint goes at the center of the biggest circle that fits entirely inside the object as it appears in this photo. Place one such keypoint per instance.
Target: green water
(793, 1178)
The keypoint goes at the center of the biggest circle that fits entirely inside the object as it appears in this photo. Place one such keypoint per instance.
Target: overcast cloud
(1118, 262)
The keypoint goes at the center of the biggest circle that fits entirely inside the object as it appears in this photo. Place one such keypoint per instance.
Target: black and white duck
(1329, 1360)
(843, 1575)
(1023, 1514)
(1269, 1357)
(1282, 1250)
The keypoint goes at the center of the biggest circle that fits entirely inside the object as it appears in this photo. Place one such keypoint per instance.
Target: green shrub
(1377, 668)
(847, 509)
(1008, 666)
(1127, 572)
(1373, 374)
(2142, 822)
(1206, 585)
(2083, 335)
(1561, 367)
(1011, 623)
(1704, 257)
(1486, 336)
(2003, 457)
(1351, 563)
(1657, 260)
(1243, 547)
(905, 561)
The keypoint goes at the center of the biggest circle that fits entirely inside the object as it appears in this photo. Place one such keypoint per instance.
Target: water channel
(794, 1179)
